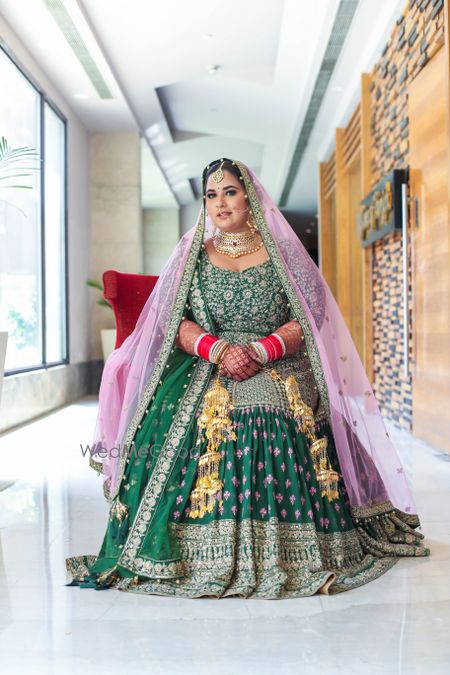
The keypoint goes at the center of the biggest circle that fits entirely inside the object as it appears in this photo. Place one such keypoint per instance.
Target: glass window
(32, 226)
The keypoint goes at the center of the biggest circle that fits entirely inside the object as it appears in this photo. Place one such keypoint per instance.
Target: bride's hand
(239, 363)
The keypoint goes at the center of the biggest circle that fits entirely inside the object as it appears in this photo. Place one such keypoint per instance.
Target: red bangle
(272, 346)
(277, 350)
(204, 345)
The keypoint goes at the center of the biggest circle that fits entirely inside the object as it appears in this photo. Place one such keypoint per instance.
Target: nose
(220, 201)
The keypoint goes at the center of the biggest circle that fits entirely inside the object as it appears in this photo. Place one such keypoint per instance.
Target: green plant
(11, 161)
(96, 284)
(23, 322)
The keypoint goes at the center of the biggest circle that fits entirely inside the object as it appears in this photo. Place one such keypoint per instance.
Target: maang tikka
(217, 176)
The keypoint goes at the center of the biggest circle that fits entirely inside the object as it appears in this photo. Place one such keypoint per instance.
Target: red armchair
(127, 294)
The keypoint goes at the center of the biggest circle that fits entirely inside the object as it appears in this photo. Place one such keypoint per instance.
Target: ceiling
(205, 79)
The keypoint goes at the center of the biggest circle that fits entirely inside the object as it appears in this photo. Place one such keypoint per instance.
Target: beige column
(116, 240)
(161, 229)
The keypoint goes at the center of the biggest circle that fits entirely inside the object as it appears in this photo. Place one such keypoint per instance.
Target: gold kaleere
(327, 478)
(118, 510)
(302, 413)
(218, 427)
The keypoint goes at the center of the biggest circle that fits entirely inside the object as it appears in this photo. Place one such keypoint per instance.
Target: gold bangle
(222, 352)
(217, 350)
(258, 351)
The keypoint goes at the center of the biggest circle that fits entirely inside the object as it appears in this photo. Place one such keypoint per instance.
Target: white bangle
(197, 341)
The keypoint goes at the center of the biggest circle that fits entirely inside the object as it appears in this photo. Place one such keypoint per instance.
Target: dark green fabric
(267, 472)
(142, 458)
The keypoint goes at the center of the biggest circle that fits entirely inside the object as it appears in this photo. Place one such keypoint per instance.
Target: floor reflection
(51, 506)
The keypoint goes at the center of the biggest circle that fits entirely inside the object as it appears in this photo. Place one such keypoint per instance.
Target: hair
(228, 165)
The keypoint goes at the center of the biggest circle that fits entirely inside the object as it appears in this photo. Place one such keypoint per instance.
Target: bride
(243, 452)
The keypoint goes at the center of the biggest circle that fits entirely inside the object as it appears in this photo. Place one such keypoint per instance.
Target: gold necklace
(235, 244)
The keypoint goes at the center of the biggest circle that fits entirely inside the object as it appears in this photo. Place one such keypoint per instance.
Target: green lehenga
(272, 535)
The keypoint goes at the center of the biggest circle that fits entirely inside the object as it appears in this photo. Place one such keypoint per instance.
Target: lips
(224, 214)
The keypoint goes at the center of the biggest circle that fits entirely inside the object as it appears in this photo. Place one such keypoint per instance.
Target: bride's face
(226, 204)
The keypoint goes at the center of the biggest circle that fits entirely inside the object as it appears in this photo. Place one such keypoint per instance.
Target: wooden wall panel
(331, 208)
(356, 259)
(343, 224)
(327, 222)
(429, 160)
(366, 184)
(349, 252)
(341, 254)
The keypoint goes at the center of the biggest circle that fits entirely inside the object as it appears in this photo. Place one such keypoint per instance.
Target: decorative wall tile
(416, 37)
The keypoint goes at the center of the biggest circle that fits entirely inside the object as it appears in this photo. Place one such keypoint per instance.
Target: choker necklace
(235, 244)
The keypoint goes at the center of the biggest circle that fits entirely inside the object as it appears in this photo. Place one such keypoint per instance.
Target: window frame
(45, 99)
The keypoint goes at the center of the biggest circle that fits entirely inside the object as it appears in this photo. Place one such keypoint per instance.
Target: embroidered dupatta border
(295, 303)
(176, 317)
(130, 558)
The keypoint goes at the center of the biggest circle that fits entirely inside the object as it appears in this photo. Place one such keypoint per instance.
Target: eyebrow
(225, 188)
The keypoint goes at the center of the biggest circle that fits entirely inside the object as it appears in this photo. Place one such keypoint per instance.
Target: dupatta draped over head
(370, 467)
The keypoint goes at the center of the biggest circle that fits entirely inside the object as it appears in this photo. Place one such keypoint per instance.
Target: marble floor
(51, 507)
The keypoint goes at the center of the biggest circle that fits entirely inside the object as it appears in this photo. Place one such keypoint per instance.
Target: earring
(251, 223)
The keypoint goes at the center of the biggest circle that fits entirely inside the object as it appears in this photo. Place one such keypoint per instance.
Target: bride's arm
(235, 360)
(285, 341)
(292, 335)
(194, 340)
(188, 333)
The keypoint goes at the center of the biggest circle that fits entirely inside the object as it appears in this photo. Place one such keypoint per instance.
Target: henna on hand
(188, 332)
(254, 353)
(239, 363)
